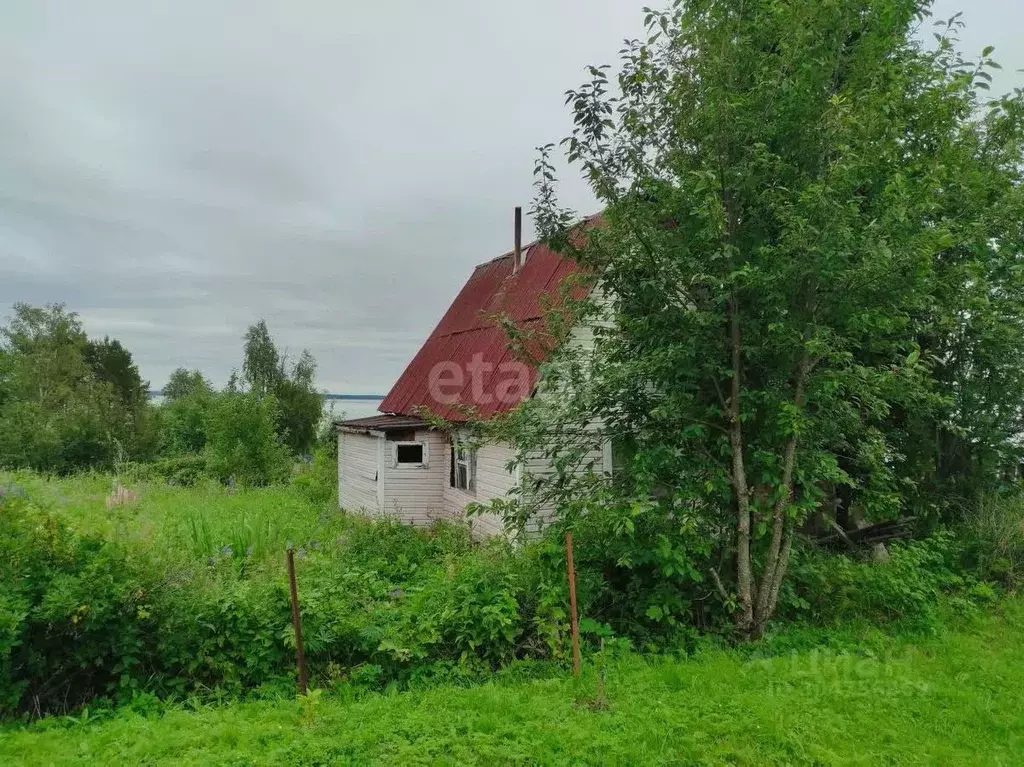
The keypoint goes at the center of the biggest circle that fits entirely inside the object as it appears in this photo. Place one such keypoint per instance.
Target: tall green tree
(805, 208)
(262, 365)
(266, 371)
(56, 414)
(300, 405)
(111, 363)
(183, 383)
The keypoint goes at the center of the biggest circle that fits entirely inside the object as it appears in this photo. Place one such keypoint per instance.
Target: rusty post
(297, 623)
(517, 260)
(574, 621)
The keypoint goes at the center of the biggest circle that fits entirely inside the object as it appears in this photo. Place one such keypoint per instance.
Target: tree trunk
(782, 532)
(744, 572)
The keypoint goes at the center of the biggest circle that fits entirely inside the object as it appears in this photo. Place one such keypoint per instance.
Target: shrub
(639, 566)
(317, 481)
(994, 538)
(218, 628)
(184, 470)
(189, 596)
(75, 613)
(84, 618)
(242, 442)
(829, 588)
(183, 423)
(472, 612)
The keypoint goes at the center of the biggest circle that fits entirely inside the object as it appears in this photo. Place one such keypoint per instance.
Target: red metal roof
(466, 362)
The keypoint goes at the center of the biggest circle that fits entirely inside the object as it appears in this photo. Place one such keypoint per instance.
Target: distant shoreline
(359, 397)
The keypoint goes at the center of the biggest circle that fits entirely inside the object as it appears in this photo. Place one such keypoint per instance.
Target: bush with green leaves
(183, 424)
(317, 480)
(993, 533)
(639, 565)
(76, 613)
(186, 593)
(86, 617)
(184, 470)
(242, 440)
(909, 587)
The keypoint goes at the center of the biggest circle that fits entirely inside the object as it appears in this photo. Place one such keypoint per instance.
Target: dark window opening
(409, 453)
(624, 450)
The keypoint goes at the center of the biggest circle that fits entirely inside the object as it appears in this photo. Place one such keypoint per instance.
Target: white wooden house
(394, 463)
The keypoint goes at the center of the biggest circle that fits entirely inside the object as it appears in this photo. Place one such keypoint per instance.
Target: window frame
(468, 462)
(424, 461)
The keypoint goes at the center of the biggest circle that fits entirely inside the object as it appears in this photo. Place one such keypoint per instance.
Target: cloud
(175, 170)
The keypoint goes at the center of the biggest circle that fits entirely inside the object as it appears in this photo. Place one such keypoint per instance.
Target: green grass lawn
(957, 698)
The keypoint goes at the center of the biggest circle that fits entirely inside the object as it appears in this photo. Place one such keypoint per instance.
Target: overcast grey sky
(174, 171)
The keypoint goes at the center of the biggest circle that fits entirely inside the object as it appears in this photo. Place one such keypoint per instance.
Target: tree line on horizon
(72, 403)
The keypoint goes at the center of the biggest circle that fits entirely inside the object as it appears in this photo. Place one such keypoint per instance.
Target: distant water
(353, 406)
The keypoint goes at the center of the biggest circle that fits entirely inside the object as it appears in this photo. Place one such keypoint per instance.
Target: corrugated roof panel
(382, 423)
(468, 339)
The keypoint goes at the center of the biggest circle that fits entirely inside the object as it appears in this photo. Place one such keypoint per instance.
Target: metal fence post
(297, 623)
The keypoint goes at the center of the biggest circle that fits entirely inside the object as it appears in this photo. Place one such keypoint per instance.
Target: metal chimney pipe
(517, 261)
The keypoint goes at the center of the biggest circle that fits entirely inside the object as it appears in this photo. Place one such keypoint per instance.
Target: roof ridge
(525, 249)
(530, 245)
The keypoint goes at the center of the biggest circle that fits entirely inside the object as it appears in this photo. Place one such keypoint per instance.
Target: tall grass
(994, 533)
(253, 534)
(190, 523)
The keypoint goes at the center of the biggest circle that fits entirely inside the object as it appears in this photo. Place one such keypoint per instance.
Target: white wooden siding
(540, 466)
(582, 338)
(493, 480)
(422, 495)
(357, 472)
(413, 494)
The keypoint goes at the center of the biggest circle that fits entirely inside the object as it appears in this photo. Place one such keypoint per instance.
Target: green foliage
(186, 593)
(67, 403)
(954, 699)
(184, 383)
(993, 533)
(639, 567)
(300, 408)
(242, 440)
(909, 587)
(262, 365)
(183, 423)
(809, 281)
(245, 434)
(317, 480)
(78, 613)
(300, 405)
(113, 364)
